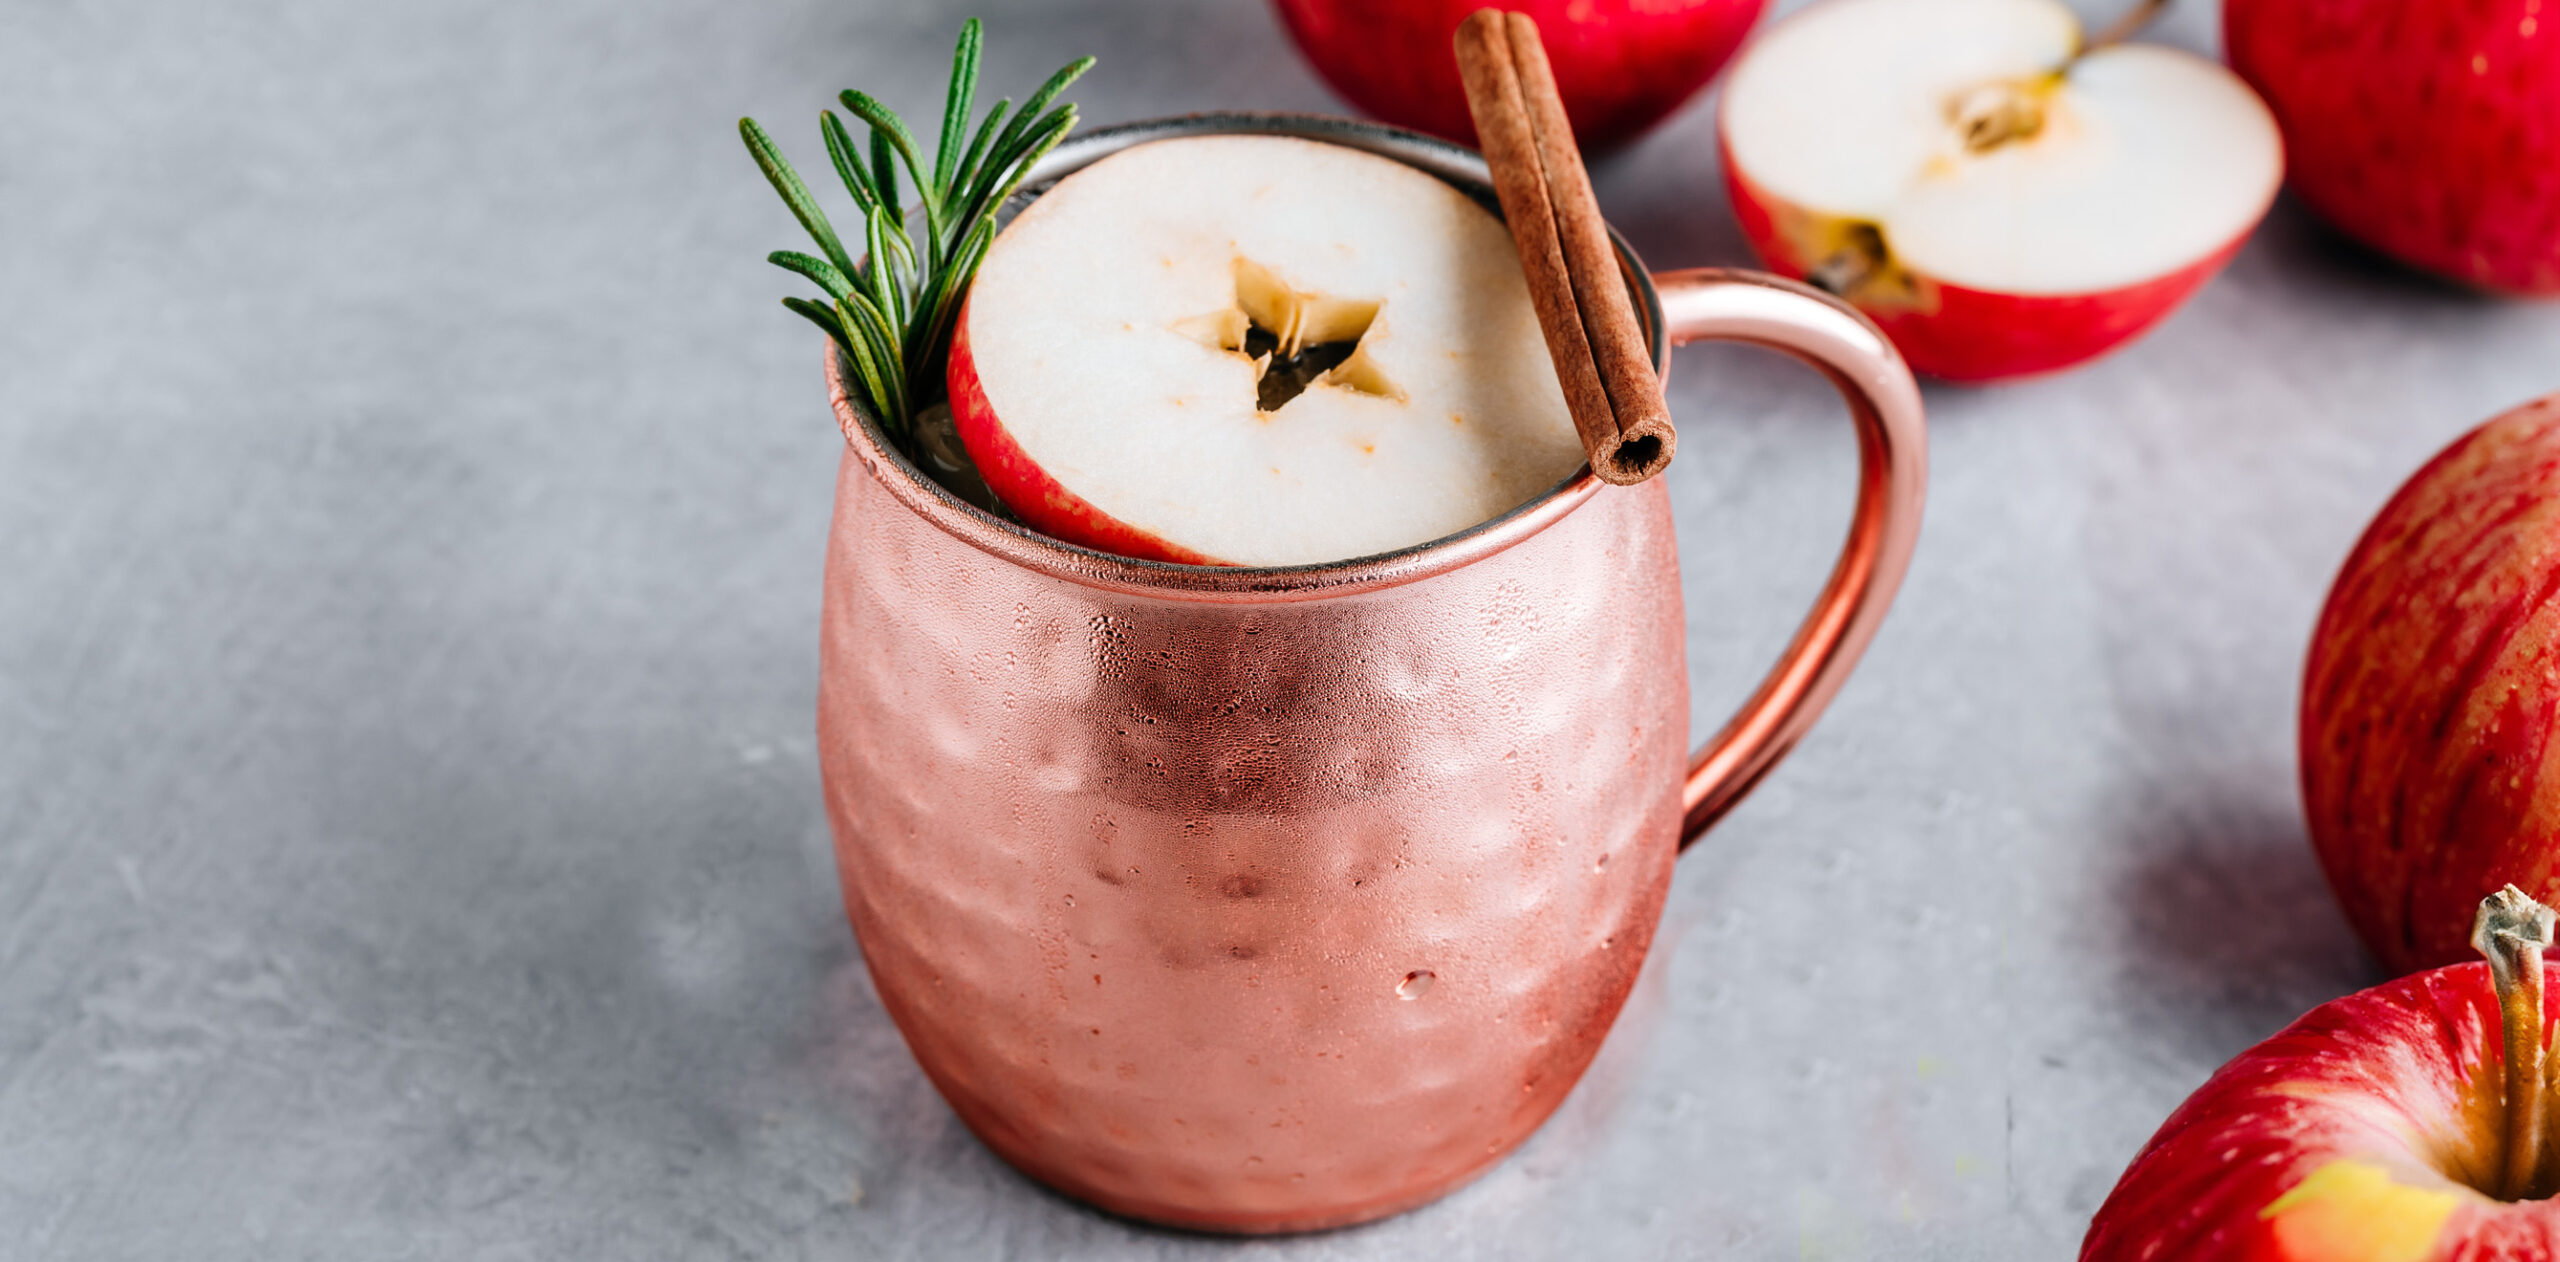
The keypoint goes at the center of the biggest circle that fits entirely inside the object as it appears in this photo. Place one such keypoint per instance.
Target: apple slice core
(1967, 137)
(1125, 332)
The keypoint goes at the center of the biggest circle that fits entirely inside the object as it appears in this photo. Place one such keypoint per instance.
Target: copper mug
(1259, 900)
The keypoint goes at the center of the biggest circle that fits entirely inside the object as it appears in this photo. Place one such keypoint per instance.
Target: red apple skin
(1970, 335)
(1621, 65)
(1026, 488)
(2432, 696)
(2405, 1076)
(2428, 129)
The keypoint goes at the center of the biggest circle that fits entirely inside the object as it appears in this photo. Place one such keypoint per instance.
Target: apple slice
(2000, 199)
(1256, 350)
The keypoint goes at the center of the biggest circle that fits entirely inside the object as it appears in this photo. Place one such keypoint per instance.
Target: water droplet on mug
(1600, 864)
(1415, 985)
(1071, 900)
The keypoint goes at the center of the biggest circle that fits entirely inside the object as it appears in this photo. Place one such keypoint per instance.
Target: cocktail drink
(1278, 896)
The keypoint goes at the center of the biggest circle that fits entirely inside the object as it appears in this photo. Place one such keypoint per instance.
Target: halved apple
(1256, 350)
(2000, 199)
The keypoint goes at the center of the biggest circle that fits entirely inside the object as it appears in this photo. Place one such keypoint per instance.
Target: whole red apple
(2001, 194)
(2432, 695)
(2428, 129)
(2378, 1128)
(1621, 65)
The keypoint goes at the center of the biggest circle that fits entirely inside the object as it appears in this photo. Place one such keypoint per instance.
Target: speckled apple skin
(1621, 65)
(2432, 694)
(2404, 1076)
(1972, 335)
(2428, 129)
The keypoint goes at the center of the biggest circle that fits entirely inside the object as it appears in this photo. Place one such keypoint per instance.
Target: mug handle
(1893, 457)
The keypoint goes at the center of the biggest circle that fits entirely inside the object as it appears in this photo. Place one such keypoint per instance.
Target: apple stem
(2126, 27)
(2005, 111)
(2511, 930)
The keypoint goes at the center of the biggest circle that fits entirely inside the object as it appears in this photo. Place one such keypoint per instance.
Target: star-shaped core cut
(1296, 339)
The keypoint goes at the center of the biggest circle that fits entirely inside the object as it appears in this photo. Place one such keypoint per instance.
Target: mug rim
(1460, 167)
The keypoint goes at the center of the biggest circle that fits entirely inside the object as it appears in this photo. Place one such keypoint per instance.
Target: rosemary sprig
(892, 310)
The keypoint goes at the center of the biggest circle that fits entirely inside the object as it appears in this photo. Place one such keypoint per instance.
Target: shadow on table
(2298, 240)
(2227, 929)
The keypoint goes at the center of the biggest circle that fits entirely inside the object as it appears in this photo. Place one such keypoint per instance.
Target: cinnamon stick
(1574, 284)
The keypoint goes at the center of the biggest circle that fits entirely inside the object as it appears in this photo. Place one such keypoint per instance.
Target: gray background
(411, 507)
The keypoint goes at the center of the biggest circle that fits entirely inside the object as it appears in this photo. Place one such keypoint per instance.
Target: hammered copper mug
(1263, 900)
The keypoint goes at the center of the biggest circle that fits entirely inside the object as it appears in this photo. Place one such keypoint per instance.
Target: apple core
(1293, 339)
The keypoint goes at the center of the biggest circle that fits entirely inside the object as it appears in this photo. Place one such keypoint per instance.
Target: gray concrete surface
(411, 504)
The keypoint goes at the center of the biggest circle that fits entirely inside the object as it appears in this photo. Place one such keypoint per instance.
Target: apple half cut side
(1256, 350)
(2000, 200)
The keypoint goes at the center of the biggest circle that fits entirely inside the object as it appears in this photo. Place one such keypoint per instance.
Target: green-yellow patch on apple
(2354, 1211)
